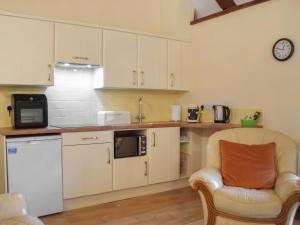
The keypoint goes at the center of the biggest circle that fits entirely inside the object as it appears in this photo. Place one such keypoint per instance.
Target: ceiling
(205, 8)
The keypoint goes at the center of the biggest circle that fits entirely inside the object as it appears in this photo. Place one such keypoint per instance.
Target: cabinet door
(27, 51)
(130, 172)
(164, 154)
(153, 62)
(87, 170)
(78, 44)
(174, 65)
(120, 59)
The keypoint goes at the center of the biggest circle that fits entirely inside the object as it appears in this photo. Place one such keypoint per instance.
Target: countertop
(8, 131)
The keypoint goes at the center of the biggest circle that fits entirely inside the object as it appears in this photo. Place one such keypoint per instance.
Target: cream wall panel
(153, 62)
(78, 44)
(130, 172)
(27, 51)
(120, 57)
(87, 170)
(164, 154)
(142, 15)
(174, 65)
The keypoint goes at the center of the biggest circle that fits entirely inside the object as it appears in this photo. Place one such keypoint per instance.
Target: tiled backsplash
(73, 99)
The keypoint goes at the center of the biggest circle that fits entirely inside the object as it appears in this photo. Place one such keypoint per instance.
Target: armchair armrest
(12, 205)
(286, 185)
(211, 177)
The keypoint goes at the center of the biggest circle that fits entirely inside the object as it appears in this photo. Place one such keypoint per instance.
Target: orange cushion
(248, 166)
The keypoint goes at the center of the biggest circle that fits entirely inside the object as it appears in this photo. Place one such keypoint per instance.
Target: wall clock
(283, 49)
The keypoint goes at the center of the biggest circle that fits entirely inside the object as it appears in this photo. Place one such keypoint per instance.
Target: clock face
(283, 49)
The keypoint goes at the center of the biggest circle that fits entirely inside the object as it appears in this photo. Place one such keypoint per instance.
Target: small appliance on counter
(193, 114)
(176, 113)
(221, 114)
(29, 111)
(113, 117)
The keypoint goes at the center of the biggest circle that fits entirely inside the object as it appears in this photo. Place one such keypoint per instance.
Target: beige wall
(233, 63)
(142, 15)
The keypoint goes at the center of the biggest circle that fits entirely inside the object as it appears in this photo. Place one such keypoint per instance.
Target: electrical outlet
(207, 106)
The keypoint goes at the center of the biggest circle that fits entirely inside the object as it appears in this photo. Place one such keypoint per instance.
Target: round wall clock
(283, 49)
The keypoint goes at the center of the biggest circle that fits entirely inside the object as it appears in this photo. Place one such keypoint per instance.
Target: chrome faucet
(140, 116)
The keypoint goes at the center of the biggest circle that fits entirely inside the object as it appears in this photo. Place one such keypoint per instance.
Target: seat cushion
(248, 166)
(22, 220)
(250, 203)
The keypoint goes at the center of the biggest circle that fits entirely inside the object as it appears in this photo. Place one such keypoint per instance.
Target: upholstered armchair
(225, 205)
(13, 211)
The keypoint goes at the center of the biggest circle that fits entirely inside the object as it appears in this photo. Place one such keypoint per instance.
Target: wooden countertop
(8, 131)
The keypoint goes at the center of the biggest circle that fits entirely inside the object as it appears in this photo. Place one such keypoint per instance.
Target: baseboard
(82, 202)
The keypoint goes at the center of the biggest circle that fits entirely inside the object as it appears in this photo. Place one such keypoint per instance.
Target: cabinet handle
(134, 77)
(49, 72)
(108, 150)
(146, 169)
(172, 80)
(154, 139)
(80, 58)
(89, 138)
(143, 77)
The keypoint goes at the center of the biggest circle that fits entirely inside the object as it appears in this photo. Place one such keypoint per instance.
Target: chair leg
(211, 220)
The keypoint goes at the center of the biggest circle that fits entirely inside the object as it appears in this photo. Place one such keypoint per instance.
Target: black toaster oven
(29, 111)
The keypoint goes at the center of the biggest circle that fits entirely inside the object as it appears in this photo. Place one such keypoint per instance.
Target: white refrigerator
(34, 169)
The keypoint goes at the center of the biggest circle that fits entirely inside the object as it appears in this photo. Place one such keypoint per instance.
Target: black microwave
(29, 111)
(129, 145)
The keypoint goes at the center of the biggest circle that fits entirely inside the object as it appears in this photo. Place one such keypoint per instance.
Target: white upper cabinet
(120, 57)
(78, 44)
(153, 62)
(27, 51)
(174, 65)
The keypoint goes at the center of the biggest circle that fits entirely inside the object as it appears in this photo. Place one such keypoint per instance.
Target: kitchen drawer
(83, 138)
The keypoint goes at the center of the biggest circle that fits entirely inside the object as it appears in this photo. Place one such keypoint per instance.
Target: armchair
(13, 211)
(225, 205)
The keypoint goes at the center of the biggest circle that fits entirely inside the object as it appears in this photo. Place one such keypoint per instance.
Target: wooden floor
(177, 207)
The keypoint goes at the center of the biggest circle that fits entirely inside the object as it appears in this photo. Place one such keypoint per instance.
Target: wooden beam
(227, 11)
(226, 4)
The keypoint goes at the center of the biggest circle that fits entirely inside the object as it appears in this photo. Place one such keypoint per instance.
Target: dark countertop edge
(8, 131)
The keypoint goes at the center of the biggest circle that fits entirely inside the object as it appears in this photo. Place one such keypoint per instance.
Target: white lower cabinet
(87, 168)
(163, 149)
(130, 172)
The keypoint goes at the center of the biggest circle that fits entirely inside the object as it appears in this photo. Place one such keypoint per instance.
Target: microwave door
(126, 147)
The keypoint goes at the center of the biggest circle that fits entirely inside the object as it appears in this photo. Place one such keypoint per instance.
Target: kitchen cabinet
(78, 44)
(27, 51)
(130, 172)
(120, 58)
(164, 154)
(174, 65)
(87, 163)
(153, 62)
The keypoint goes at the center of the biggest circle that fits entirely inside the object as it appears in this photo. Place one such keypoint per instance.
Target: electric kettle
(221, 114)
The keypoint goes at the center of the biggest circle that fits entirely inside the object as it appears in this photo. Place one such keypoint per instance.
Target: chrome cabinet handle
(80, 58)
(108, 150)
(49, 72)
(146, 169)
(172, 80)
(134, 77)
(154, 139)
(89, 138)
(142, 77)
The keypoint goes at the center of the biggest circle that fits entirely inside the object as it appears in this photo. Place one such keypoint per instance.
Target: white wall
(233, 63)
(73, 99)
(142, 15)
